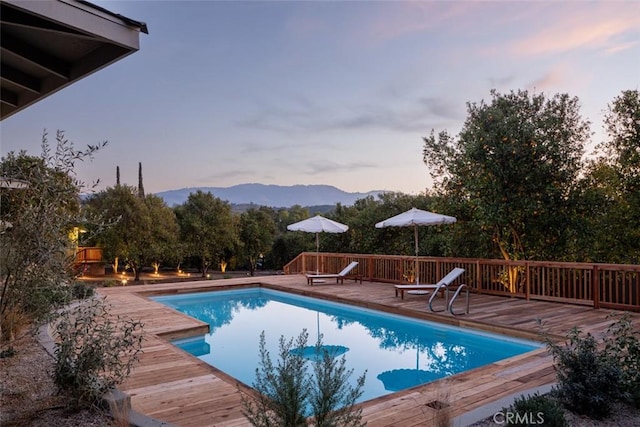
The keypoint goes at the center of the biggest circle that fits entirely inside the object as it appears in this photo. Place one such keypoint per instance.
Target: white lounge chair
(426, 289)
(339, 276)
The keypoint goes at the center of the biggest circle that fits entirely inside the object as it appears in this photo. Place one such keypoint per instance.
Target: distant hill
(276, 196)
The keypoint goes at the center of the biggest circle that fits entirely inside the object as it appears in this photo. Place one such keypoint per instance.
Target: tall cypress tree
(140, 186)
(117, 175)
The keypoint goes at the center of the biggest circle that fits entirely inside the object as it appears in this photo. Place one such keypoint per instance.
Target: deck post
(527, 282)
(595, 286)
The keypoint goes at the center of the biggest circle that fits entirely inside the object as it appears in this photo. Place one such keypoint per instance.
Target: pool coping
(180, 288)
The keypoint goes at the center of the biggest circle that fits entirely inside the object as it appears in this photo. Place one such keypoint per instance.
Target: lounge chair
(339, 276)
(426, 289)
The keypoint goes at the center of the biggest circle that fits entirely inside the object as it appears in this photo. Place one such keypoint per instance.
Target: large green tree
(165, 233)
(131, 234)
(207, 228)
(257, 234)
(514, 167)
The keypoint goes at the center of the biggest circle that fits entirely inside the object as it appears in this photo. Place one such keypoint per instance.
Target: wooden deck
(173, 386)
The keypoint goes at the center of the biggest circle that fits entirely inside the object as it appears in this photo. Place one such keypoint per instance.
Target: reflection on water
(396, 352)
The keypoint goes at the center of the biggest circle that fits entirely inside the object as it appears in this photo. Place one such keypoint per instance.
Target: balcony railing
(614, 286)
(87, 255)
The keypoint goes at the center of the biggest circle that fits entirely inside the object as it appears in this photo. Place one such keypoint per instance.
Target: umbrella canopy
(318, 224)
(315, 352)
(413, 218)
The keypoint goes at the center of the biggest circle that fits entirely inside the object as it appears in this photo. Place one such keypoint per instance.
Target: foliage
(514, 164)
(37, 255)
(130, 234)
(82, 290)
(256, 231)
(207, 227)
(589, 379)
(536, 409)
(364, 238)
(94, 351)
(622, 344)
(144, 230)
(286, 389)
(333, 399)
(164, 233)
(611, 188)
(282, 388)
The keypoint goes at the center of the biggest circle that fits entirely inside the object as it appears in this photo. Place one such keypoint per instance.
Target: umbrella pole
(415, 263)
(317, 254)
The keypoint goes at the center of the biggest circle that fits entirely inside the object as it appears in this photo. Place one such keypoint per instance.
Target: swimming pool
(397, 352)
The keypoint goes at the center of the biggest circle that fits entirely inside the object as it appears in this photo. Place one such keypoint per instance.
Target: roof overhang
(48, 45)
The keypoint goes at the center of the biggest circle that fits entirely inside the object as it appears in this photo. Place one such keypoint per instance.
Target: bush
(589, 380)
(536, 409)
(622, 345)
(81, 290)
(286, 389)
(94, 351)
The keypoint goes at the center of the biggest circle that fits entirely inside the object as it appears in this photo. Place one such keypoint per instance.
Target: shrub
(94, 351)
(589, 379)
(286, 389)
(622, 345)
(81, 290)
(536, 409)
(332, 399)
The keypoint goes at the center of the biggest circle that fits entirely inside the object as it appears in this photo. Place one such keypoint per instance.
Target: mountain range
(277, 196)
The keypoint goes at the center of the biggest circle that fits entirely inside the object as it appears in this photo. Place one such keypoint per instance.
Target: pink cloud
(574, 27)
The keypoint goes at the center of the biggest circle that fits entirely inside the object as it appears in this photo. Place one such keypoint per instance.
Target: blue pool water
(397, 352)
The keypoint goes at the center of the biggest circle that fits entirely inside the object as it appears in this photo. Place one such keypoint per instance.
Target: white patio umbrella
(318, 224)
(413, 218)
(12, 183)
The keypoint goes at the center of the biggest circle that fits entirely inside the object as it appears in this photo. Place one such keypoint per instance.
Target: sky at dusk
(337, 93)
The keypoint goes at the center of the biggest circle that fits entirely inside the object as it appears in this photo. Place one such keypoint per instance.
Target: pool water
(397, 352)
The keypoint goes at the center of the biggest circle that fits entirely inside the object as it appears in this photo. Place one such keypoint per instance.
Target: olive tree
(131, 234)
(515, 163)
(207, 228)
(257, 233)
(37, 256)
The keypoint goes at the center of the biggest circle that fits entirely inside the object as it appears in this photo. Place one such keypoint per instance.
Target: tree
(207, 228)
(287, 245)
(515, 166)
(165, 233)
(131, 234)
(257, 233)
(140, 184)
(622, 160)
(37, 256)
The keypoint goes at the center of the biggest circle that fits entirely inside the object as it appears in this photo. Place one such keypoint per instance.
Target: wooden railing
(614, 286)
(87, 255)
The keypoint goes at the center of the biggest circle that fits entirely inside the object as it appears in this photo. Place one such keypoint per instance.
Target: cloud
(408, 115)
(320, 167)
(399, 19)
(552, 79)
(604, 26)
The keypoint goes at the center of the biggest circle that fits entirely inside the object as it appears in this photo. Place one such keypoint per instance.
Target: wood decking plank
(171, 385)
